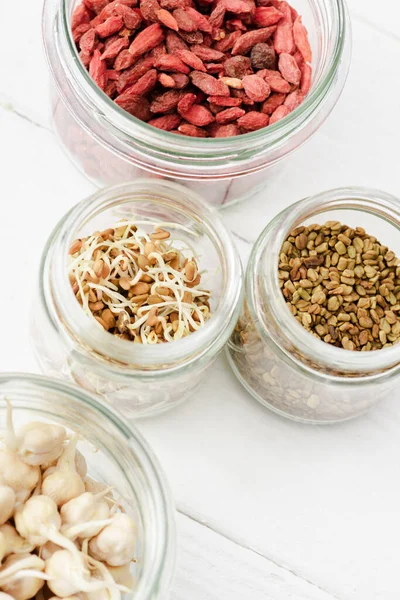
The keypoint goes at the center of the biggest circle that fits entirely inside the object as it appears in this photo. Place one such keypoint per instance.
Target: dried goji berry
(166, 122)
(166, 80)
(146, 40)
(184, 20)
(253, 120)
(207, 54)
(172, 4)
(266, 16)
(298, 57)
(272, 103)
(283, 39)
(134, 105)
(217, 16)
(278, 114)
(237, 67)
(276, 82)
(124, 60)
(208, 84)
(224, 131)
(158, 51)
(213, 68)
(301, 39)
(133, 74)
(194, 37)
(192, 130)
(167, 19)
(198, 115)
(167, 62)
(115, 48)
(229, 115)
(200, 19)
(293, 100)
(88, 41)
(165, 102)
(262, 56)
(95, 5)
(98, 70)
(186, 102)
(237, 6)
(191, 59)
(246, 42)
(80, 16)
(110, 26)
(256, 88)
(305, 82)
(149, 9)
(79, 30)
(85, 57)
(132, 19)
(174, 42)
(289, 69)
(224, 100)
(144, 85)
(228, 41)
(181, 80)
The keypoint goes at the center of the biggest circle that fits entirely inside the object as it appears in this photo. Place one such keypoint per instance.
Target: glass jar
(122, 460)
(279, 362)
(138, 379)
(109, 145)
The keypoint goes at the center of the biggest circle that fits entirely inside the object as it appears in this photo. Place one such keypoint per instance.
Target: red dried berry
(146, 40)
(166, 122)
(166, 80)
(167, 62)
(174, 42)
(208, 84)
(80, 30)
(227, 42)
(149, 10)
(276, 82)
(237, 6)
(301, 39)
(272, 103)
(95, 6)
(223, 131)
(192, 130)
(124, 60)
(80, 16)
(293, 100)
(191, 59)
(283, 39)
(165, 102)
(167, 19)
(109, 27)
(253, 120)
(200, 20)
(186, 102)
(88, 41)
(237, 67)
(256, 88)
(98, 70)
(132, 75)
(229, 115)
(85, 57)
(195, 37)
(289, 69)
(217, 16)
(115, 48)
(198, 115)
(172, 4)
(224, 101)
(278, 114)
(184, 20)
(215, 69)
(266, 16)
(144, 85)
(246, 42)
(131, 18)
(207, 54)
(181, 80)
(306, 74)
(134, 105)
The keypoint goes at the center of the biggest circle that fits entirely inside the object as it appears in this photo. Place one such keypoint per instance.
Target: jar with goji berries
(139, 379)
(109, 145)
(288, 369)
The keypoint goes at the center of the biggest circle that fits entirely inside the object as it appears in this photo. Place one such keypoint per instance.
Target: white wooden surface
(267, 509)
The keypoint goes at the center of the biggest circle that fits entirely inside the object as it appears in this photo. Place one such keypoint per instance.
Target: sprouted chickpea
(61, 532)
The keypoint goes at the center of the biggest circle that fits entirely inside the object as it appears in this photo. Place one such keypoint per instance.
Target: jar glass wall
(122, 460)
(276, 358)
(110, 146)
(138, 379)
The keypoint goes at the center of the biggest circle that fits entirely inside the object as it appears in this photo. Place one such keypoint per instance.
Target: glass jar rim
(93, 337)
(163, 504)
(371, 201)
(149, 136)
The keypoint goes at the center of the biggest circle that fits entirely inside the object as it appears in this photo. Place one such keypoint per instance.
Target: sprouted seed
(140, 286)
(58, 537)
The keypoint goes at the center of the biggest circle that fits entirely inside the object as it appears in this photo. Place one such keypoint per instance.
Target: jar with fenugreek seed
(298, 372)
(139, 379)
